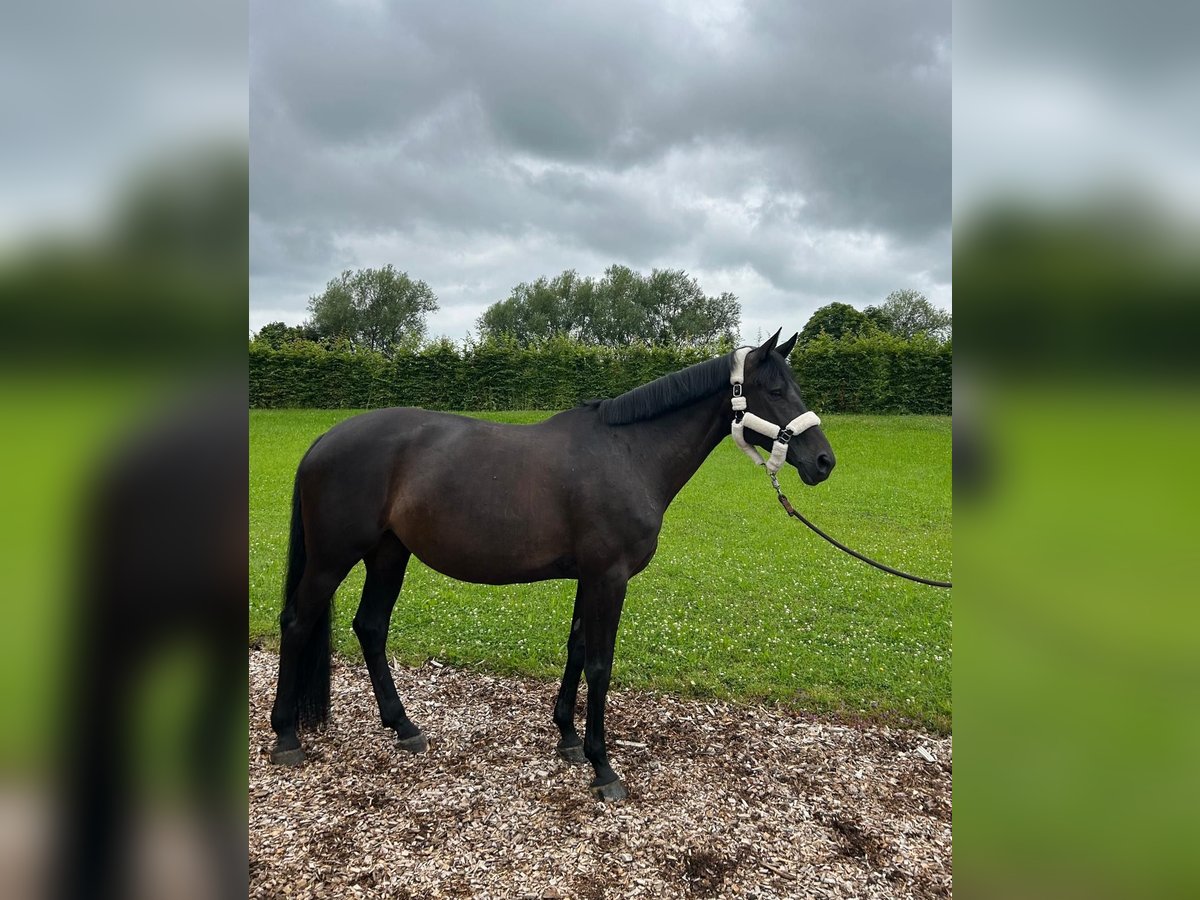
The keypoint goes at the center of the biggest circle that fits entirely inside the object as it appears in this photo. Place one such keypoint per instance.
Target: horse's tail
(312, 668)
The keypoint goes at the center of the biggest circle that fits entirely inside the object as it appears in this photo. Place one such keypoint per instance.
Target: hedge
(876, 373)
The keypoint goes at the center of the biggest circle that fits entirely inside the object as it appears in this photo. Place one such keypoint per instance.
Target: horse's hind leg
(570, 747)
(385, 577)
(302, 693)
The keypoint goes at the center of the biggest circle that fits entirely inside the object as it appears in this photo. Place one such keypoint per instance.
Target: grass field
(739, 602)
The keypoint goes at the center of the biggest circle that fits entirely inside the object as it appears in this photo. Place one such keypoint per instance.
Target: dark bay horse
(579, 496)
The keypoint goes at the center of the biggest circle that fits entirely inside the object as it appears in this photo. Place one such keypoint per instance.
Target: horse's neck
(675, 445)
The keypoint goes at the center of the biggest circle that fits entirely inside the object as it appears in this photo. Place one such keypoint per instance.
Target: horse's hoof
(415, 744)
(293, 757)
(612, 790)
(572, 754)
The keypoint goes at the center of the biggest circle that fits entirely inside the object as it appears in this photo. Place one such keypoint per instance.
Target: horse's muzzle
(814, 472)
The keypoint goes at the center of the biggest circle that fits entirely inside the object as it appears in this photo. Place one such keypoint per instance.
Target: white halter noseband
(743, 420)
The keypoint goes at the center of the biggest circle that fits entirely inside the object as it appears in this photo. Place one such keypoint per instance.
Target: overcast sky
(795, 153)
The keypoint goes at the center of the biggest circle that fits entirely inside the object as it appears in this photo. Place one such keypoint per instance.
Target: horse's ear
(786, 347)
(770, 344)
(758, 354)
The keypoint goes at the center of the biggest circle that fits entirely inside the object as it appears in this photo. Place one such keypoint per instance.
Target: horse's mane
(667, 393)
(681, 388)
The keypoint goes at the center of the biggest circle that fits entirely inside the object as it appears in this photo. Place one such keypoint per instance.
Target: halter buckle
(784, 436)
(737, 389)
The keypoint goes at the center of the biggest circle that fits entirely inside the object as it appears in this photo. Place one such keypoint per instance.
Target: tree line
(384, 310)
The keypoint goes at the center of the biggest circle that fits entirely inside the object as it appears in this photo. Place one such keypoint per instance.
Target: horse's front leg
(599, 606)
(570, 747)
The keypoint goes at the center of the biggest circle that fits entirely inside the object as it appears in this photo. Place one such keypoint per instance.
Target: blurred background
(122, 394)
(1077, 418)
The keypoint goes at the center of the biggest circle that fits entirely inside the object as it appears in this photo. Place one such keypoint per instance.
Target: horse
(579, 496)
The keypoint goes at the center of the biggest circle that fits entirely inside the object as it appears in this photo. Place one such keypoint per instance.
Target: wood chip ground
(726, 800)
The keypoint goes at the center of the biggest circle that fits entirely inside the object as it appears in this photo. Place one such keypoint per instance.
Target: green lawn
(739, 602)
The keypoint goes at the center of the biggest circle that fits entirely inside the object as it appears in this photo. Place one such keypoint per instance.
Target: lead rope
(787, 507)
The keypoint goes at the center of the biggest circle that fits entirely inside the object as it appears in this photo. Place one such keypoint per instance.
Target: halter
(743, 420)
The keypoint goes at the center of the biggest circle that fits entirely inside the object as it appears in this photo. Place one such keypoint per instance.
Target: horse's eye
(776, 392)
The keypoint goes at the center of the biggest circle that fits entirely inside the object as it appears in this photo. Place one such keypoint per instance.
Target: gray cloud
(796, 153)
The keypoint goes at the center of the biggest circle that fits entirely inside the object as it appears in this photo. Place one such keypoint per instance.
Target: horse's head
(772, 394)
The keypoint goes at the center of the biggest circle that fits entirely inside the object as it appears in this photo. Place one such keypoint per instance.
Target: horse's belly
(492, 565)
(490, 550)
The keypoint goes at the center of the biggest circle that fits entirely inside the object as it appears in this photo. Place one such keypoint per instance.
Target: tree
(278, 334)
(375, 309)
(542, 309)
(907, 313)
(680, 313)
(878, 318)
(621, 307)
(837, 320)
